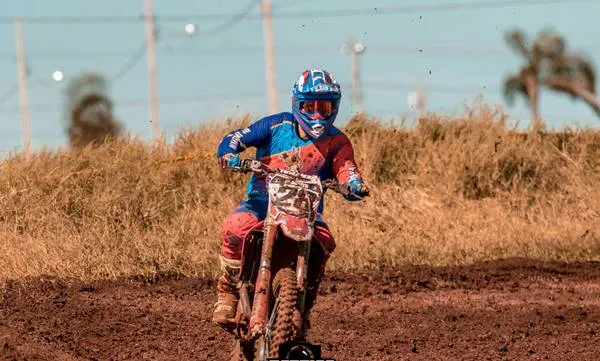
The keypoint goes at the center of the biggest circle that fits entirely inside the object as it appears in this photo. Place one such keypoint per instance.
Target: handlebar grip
(250, 165)
(245, 164)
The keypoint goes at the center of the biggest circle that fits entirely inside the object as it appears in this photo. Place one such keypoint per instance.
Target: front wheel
(283, 330)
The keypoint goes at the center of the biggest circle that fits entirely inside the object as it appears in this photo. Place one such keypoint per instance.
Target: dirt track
(508, 310)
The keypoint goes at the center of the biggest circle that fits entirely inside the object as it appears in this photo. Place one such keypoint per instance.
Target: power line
(228, 23)
(133, 60)
(29, 73)
(39, 80)
(14, 89)
(283, 4)
(434, 88)
(142, 102)
(411, 9)
(139, 53)
(434, 50)
(233, 20)
(9, 93)
(73, 19)
(178, 100)
(441, 51)
(333, 13)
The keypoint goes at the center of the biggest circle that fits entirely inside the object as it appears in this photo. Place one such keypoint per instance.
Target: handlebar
(247, 165)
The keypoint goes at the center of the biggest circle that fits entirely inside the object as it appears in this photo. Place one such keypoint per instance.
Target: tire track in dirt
(502, 310)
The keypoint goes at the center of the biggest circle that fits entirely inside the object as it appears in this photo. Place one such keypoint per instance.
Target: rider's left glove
(357, 189)
(229, 160)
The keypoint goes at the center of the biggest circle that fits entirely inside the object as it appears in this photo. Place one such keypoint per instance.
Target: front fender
(296, 228)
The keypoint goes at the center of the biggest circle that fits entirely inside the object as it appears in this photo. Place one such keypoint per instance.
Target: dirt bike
(277, 259)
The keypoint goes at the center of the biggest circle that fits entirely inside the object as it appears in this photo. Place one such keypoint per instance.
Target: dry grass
(451, 191)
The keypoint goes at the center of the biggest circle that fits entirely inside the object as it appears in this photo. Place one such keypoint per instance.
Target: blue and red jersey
(279, 145)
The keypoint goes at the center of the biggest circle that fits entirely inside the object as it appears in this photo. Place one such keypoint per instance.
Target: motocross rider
(304, 140)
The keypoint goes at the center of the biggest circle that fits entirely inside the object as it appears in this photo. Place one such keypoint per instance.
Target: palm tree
(549, 64)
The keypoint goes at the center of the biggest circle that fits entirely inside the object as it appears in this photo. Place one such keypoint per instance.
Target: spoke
(272, 319)
(267, 344)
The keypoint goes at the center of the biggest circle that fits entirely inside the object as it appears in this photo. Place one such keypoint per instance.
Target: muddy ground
(503, 310)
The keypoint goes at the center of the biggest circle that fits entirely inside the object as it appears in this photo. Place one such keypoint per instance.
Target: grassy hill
(450, 191)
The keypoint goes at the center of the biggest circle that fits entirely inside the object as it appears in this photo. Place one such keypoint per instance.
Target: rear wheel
(283, 330)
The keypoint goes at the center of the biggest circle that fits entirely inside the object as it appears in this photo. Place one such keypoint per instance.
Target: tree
(89, 111)
(547, 63)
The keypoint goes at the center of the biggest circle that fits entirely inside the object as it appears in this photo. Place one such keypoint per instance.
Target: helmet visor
(317, 109)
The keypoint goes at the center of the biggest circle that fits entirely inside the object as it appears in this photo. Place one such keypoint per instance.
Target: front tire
(284, 330)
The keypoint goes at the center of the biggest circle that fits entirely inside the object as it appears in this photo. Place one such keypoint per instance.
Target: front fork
(260, 309)
(301, 282)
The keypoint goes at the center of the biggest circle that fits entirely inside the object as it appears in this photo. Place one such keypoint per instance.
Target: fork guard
(260, 311)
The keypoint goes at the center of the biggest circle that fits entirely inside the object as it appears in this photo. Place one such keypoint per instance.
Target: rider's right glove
(357, 189)
(229, 160)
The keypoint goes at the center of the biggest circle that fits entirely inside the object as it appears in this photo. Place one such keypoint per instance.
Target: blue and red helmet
(315, 101)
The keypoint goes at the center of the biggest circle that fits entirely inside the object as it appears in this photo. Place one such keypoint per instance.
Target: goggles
(316, 109)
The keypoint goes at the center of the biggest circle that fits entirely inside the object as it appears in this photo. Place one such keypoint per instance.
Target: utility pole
(355, 49)
(269, 54)
(22, 80)
(151, 55)
(416, 100)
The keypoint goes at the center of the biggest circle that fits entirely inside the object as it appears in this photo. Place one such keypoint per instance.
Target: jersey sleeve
(238, 140)
(344, 165)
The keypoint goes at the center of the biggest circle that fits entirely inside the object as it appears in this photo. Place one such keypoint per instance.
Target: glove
(357, 190)
(229, 160)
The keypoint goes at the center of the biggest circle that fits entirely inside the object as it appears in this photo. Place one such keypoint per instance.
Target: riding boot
(226, 306)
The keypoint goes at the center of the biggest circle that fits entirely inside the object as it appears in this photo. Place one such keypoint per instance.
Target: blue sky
(454, 54)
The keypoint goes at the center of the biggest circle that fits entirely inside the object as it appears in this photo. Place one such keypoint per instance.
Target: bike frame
(291, 214)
